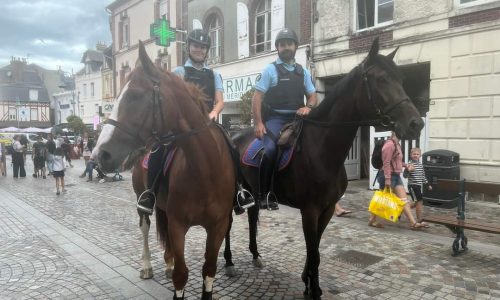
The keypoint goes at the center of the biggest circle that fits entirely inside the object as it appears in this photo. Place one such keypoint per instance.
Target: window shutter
(243, 37)
(277, 18)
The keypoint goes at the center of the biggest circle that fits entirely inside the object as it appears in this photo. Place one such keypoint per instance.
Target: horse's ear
(145, 61)
(374, 49)
(393, 53)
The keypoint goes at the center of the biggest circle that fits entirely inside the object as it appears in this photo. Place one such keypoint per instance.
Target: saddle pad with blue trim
(166, 165)
(252, 155)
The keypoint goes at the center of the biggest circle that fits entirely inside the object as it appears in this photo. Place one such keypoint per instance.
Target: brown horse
(371, 94)
(159, 106)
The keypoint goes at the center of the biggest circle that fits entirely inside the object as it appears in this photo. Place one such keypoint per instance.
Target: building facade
(130, 22)
(24, 99)
(450, 55)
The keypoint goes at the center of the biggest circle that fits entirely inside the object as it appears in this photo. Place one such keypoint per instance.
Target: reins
(384, 118)
(164, 139)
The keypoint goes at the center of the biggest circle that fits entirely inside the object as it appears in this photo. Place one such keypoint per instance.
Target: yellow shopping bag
(387, 205)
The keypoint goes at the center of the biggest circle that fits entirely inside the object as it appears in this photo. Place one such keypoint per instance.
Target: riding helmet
(200, 37)
(286, 33)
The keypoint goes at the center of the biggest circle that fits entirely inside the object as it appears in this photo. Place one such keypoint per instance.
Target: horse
(158, 106)
(315, 179)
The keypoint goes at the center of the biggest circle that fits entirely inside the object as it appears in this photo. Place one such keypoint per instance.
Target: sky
(52, 33)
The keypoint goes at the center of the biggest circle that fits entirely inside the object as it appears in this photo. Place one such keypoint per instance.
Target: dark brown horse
(371, 94)
(156, 105)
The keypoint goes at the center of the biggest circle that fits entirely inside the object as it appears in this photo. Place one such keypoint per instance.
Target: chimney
(100, 46)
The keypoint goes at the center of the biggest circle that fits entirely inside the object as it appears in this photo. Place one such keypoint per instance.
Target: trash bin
(441, 164)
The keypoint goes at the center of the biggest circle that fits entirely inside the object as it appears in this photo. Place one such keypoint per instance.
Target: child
(416, 181)
(58, 169)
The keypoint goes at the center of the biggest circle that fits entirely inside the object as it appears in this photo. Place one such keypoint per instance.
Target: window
(12, 113)
(82, 112)
(263, 26)
(84, 90)
(471, 2)
(215, 33)
(372, 13)
(34, 114)
(92, 89)
(33, 94)
(163, 8)
(124, 30)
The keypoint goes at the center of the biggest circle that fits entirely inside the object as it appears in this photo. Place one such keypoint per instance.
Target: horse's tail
(162, 227)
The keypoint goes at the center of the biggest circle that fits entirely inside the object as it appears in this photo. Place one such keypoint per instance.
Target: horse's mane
(192, 90)
(348, 81)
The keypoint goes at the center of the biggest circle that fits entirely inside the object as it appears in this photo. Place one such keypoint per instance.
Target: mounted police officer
(279, 96)
(194, 70)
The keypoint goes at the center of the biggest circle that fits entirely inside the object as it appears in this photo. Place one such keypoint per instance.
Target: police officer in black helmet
(278, 98)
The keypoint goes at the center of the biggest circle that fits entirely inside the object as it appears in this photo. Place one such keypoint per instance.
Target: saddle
(287, 142)
(166, 163)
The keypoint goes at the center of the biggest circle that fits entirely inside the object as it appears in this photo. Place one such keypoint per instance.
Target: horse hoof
(146, 274)
(258, 263)
(230, 271)
(168, 273)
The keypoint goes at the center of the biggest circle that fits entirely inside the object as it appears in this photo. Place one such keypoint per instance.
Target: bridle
(383, 117)
(156, 106)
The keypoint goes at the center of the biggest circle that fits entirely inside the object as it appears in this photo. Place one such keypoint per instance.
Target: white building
(449, 50)
(64, 106)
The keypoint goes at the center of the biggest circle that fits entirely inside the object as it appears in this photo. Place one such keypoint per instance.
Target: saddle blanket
(167, 164)
(252, 155)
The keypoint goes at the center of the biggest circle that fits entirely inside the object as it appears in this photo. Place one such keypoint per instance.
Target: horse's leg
(176, 240)
(228, 256)
(215, 235)
(310, 221)
(253, 218)
(169, 261)
(144, 224)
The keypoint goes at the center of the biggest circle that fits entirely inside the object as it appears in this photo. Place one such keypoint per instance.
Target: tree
(245, 107)
(76, 124)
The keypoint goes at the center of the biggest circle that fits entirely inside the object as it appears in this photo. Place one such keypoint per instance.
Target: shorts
(39, 163)
(58, 174)
(395, 179)
(415, 192)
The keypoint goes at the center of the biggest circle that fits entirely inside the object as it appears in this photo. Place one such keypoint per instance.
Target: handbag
(386, 205)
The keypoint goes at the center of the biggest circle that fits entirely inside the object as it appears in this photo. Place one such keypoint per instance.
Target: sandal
(375, 224)
(425, 224)
(416, 226)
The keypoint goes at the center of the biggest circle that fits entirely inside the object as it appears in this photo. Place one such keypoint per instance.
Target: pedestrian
(416, 181)
(51, 148)
(86, 146)
(278, 98)
(18, 158)
(390, 175)
(39, 157)
(24, 141)
(340, 211)
(194, 70)
(58, 169)
(66, 146)
(2, 159)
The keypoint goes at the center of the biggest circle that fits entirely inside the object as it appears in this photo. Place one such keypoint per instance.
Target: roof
(92, 55)
(20, 92)
(115, 4)
(18, 78)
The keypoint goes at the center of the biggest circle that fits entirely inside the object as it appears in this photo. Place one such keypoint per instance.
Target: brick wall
(305, 21)
(363, 41)
(475, 17)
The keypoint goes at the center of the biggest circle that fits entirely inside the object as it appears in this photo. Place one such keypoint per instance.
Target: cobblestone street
(86, 244)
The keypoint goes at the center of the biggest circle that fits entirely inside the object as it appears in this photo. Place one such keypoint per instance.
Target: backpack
(377, 162)
(377, 154)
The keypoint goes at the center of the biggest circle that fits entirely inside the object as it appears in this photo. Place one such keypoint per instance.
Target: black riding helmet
(286, 33)
(200, 37)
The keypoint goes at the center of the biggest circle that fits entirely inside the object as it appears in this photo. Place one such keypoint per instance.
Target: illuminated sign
(161, 31)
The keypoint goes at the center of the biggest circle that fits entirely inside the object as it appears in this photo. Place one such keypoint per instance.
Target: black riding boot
(267, 199)
(147, 199)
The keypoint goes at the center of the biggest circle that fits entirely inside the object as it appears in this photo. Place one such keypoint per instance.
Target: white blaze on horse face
(107, 130)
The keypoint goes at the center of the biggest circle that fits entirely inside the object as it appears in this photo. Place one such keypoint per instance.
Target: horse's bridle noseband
(164, 139)
(385, 119)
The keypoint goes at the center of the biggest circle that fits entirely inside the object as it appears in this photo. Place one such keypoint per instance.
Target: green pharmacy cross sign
(161, 30)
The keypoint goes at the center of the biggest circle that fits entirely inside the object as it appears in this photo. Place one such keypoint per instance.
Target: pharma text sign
(235, 87)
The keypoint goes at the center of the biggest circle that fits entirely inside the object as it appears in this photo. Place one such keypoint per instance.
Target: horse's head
(384, 88)
(136, 114)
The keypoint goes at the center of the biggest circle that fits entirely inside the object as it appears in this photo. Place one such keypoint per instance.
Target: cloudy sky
(52, 33)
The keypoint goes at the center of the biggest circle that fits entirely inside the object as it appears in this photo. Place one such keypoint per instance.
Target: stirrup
(145, 209)
(244, 198)
(271, 205)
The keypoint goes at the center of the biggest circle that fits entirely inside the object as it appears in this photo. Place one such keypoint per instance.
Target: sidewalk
(86, 244)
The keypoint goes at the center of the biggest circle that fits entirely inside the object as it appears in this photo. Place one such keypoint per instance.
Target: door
(352, 162)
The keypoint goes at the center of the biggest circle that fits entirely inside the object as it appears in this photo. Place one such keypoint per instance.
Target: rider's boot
(267, 199)
(147, 199)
